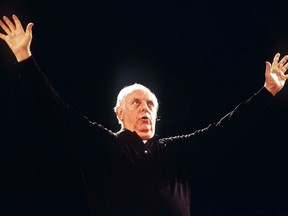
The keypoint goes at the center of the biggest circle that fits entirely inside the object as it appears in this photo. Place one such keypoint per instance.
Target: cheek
(154, 121)
(154, 116)
(130, 118)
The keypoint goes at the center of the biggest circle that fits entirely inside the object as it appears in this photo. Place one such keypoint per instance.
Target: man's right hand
(18, 39)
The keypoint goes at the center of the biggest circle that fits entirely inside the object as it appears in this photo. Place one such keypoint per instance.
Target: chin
(146, 136)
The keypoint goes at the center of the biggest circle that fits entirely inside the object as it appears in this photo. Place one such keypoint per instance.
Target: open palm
(275, 76)
(16, 38)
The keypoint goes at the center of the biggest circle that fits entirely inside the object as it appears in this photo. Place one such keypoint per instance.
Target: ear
(119, 113)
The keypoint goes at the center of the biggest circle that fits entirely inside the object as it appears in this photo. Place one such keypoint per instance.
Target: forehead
(141, 94)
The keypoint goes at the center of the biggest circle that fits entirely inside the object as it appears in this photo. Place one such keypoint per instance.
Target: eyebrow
(137, 98)
(151, 101)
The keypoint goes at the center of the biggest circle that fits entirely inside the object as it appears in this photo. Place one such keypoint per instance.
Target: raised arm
(35, 83)
(18, 39)
(275, 76)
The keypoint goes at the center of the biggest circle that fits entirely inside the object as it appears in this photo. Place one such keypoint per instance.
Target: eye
(150, 103)
(136, 102)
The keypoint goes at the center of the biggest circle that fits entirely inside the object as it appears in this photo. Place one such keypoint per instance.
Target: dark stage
(201, 58)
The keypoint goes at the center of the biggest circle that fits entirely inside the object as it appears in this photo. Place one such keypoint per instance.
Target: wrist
(272, 90)
(22, 55)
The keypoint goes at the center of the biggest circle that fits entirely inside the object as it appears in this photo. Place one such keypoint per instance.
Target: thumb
(29, 29)
(268, 67)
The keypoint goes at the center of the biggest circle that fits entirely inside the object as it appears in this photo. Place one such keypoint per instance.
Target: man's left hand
(275, 76)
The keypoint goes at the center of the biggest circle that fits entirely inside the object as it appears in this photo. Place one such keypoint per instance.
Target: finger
(285, 67)
(283, 61)
(276, 59)
(268, 67)
(29, 29)
(9, 23)
(17, 22)
(281, 75)
(2, 36)
(4, 27)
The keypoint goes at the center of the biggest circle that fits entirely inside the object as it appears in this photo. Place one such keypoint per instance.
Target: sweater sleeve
(82, 135)
(40, 90)
(212, 141)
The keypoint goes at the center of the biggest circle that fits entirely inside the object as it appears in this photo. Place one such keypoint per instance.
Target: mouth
(145, 119)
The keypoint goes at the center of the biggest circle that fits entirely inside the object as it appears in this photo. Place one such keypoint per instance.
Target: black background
(201, 58)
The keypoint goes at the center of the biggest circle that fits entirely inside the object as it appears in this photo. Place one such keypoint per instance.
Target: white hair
(128, 90)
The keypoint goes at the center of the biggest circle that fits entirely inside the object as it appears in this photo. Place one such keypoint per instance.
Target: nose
(144, 107)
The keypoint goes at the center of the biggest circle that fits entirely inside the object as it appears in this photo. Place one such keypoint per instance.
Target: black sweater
(124, 176)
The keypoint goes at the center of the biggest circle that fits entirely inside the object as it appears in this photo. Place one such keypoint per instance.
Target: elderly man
(133, 171)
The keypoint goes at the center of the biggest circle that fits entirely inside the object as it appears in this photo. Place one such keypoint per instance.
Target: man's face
(139, 113)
